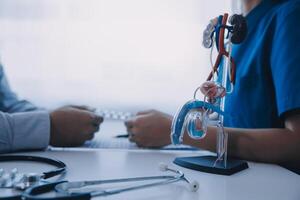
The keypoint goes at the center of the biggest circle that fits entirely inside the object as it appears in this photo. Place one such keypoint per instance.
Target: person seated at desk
(265, 103)
(23, 126)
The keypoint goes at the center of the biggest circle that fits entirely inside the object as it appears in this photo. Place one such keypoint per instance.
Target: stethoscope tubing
(30, 194)
(90, 183)
(61, 166)
(117, 191)
(15, 197)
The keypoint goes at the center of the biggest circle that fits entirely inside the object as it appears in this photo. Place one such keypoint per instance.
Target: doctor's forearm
(262, 145)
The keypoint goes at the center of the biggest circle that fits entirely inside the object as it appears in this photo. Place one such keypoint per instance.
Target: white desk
(260, 181)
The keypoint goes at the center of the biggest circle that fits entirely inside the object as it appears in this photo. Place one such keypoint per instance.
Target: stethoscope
(36, 184)
(22, 181)
(65, 189)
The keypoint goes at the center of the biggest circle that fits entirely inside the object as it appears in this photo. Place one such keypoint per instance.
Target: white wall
(116, 54)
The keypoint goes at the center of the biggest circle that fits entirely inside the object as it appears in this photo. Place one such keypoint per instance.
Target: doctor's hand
(150, 129)
(73, 125)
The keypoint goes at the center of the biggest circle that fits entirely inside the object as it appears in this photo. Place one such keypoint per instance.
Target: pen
(122, 136)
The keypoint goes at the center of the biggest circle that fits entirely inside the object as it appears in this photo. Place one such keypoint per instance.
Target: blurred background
(121, 55)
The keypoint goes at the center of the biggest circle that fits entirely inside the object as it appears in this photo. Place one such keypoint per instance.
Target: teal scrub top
(268, 67)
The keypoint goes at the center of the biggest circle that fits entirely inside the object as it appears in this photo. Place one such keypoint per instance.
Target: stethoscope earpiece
(194, 186)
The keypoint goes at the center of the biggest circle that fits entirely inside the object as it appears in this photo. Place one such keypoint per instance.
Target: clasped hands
(73, 125)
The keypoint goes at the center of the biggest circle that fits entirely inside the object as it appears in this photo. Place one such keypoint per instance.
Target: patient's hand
(150, 129)
(73, 125)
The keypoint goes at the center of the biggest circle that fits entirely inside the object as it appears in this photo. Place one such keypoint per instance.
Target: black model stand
(206, 164)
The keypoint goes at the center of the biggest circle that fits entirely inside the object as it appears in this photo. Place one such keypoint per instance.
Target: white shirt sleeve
(24, 130)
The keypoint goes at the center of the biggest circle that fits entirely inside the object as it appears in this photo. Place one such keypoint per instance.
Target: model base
(206, 164)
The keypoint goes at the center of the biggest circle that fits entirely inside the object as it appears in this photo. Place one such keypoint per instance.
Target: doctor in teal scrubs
(266, 100)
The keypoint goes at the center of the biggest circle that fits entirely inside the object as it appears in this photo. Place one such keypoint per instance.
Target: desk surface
(260, 181)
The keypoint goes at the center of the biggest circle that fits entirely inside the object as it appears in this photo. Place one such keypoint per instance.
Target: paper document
(106, 138)
(124, 143)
